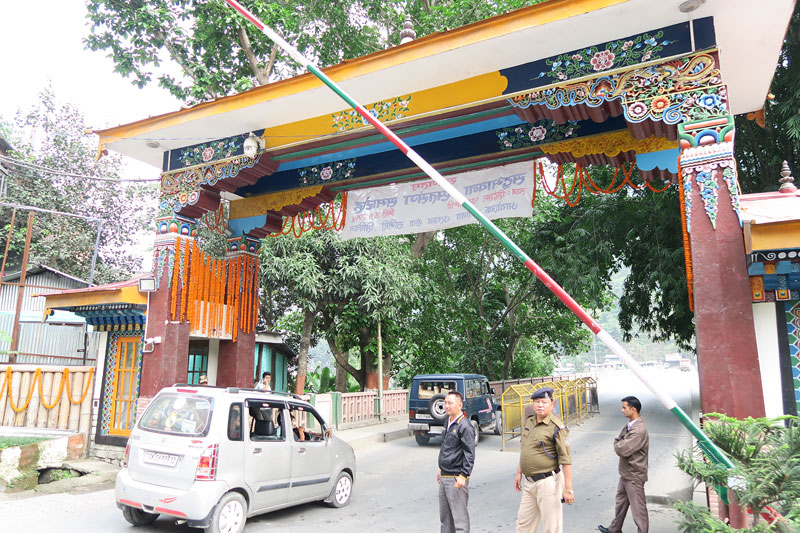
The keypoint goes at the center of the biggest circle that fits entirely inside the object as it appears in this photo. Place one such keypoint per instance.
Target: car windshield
(429, 389)
(177, 414)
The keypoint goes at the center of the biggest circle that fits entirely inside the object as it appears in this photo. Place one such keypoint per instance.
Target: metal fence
(349, 409)
(575, 400)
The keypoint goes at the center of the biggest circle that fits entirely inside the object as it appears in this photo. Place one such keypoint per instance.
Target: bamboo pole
(52, 415)
(76, 388)
(24, 389)
(63, 407)
(47, 385)
(32, 412)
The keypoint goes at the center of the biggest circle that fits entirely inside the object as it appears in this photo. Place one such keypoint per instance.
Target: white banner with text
(399, 209)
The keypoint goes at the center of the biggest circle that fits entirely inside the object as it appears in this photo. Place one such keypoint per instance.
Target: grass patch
(10, 442)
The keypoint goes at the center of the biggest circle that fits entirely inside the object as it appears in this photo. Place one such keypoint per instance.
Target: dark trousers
(630, 494)
(453, 502)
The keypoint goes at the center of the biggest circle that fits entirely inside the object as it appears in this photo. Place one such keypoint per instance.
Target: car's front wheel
(341, 491)
(137, 517)
(230, 514)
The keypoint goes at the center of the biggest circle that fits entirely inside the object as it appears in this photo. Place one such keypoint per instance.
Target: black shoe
(604, 529)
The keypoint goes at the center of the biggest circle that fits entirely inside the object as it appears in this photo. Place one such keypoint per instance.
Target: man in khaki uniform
(546, 463)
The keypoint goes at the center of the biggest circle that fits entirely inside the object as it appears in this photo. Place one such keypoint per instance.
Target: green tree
(203, 50)
(52, 136)
(766, 457)
(350, 284)
(479, 303)
(208, 50)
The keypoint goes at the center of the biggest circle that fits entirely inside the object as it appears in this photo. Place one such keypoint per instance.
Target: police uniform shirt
(540, 451)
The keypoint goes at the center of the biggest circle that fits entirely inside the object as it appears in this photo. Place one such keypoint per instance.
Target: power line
(50, 170)
(51, 211)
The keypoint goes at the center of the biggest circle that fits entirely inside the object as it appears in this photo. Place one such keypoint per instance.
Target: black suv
(426, 412)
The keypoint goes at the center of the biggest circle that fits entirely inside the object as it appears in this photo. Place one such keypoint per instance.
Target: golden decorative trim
(610, 144)
(259, 205)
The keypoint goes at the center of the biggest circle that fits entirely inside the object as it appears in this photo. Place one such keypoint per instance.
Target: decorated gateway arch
(627, 83)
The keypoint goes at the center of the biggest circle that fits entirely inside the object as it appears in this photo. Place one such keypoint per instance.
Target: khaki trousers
(630, 494)
(541, 503)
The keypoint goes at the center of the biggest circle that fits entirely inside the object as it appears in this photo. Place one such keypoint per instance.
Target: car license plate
(163, 459)
(423, 416)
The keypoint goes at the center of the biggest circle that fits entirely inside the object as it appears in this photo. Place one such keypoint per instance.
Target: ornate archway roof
(505, 89)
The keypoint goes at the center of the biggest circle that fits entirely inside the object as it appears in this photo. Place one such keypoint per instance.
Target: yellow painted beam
(127, 295)
(775, 236)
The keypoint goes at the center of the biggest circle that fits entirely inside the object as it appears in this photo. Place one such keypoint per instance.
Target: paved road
(396, 489)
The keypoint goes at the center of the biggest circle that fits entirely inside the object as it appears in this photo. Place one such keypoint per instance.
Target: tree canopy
(52, 136)
(203, 50)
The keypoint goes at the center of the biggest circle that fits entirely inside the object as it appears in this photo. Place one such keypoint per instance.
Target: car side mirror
(491, 391)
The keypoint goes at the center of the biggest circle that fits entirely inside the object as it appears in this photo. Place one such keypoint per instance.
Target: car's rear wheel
(137, 517)
(422, 440)
(498, 423)
(341, 491)
(230, 514)
(477, 429)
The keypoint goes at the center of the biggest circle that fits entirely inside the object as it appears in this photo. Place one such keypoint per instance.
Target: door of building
(126, 378)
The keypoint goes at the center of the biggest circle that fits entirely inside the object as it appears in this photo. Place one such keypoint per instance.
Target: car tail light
(125, 457)
(207, 465)
(411, 414)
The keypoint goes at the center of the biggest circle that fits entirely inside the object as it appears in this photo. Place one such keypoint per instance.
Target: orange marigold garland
(245, 299)
(175, 273)
(185, 282)
(303, 222)
(236, 285)
(582, 180)
(204, 292)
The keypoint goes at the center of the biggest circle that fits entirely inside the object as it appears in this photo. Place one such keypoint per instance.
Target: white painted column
(213, 361)
(767, 341)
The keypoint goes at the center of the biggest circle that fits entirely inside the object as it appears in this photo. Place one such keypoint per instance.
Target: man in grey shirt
(632, 445)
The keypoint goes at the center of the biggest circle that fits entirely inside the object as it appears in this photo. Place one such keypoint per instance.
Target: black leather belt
(543, 475)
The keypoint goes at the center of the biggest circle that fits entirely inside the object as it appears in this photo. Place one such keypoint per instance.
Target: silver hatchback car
(213, 457)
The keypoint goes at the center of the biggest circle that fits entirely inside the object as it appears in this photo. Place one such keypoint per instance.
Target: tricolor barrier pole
(710, 449)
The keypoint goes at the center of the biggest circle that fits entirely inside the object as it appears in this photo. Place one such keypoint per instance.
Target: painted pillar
(237, 355)
(168, 363)
(726, 342)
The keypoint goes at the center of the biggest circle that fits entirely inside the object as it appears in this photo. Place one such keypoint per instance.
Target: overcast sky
(43, 40)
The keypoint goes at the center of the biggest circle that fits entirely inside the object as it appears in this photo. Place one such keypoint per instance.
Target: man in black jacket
(456, 458)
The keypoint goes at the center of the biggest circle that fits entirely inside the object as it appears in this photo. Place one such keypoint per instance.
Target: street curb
(379, 438)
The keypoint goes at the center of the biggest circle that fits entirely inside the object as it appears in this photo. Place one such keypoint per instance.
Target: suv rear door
(267, 454)
(427, 398)
(170, 436)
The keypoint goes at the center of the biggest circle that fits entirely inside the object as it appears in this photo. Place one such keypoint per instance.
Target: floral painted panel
(615, 54)
(383, 111)
(622, 53)
(334, 171)
(538, 133)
